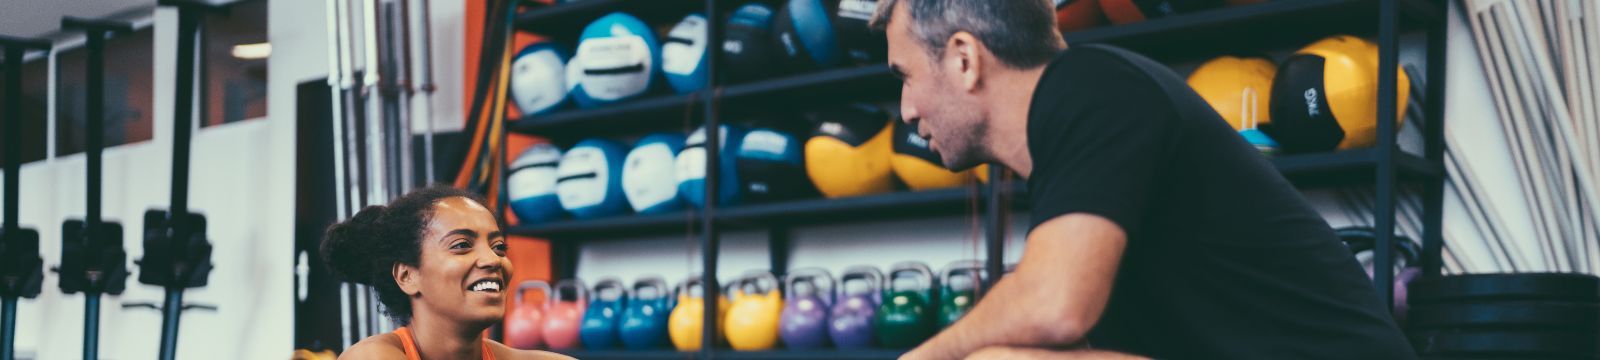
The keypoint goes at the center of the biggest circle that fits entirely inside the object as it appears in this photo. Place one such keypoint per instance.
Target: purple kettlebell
(1401, 283)
(804, 324)
(850, 320)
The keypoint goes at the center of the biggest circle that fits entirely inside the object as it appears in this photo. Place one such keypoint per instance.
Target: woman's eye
(501, 247)
(460, 245)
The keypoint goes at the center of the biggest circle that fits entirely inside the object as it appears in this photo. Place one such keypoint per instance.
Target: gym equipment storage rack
(1250, 28)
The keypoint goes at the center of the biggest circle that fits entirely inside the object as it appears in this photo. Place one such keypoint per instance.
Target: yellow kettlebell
(752, 321)
(684, 325)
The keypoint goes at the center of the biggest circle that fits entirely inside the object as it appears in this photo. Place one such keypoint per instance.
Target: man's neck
(441, 338)
(1011, 96)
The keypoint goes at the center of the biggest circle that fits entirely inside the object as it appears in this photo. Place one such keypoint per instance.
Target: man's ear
(963, 57)
(409, 278)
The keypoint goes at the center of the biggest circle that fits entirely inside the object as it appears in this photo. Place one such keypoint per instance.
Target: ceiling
(42, 18)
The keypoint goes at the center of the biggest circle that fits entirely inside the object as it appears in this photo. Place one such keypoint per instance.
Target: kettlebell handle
(871, 275)
(540, 285)
(574, 285)
(810, 276)
(756, 278)
(911, 267)
(652, 282)
(971, 268)
(610, 283)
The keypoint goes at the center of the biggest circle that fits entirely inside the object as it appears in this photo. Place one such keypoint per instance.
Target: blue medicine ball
(683, 54)
(747, 48)
(538, 78)
(692, 167)
(803, 32)
(618, 58)
(531, 186)
(771, 166)
(589, 181)
(648, 174)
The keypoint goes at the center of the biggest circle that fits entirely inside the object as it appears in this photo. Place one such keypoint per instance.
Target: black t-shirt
(1224, 258)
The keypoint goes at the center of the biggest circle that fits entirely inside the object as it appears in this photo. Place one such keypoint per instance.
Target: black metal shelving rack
(1245, 29)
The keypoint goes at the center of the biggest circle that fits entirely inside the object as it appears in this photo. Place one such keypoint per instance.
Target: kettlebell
(850, 320)
(563, 318)
(954, 303)
(906, 317)
(804, 324)
(684, 326)
(752, 321)
(644, 323)
(523, 325)
(600, 321)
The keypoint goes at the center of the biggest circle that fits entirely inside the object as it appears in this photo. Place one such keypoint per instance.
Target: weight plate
(1581, 288)
(1577, 317)
(1503, 343)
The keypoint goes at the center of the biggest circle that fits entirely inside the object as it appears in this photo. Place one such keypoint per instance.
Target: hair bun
(348, 240)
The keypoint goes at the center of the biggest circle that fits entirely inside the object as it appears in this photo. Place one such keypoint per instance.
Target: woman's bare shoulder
(501, 351)
(381, 346)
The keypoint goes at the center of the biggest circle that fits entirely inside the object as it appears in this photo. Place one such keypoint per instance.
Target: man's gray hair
(1021, 33)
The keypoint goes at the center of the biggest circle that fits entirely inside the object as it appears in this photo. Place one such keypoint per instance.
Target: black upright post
(1433, 133)
(95, 33)
(15, 49)
(183, 121)
(1388, 62)
(709, 240)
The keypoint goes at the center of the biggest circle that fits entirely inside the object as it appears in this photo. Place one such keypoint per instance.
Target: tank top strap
(408, 344)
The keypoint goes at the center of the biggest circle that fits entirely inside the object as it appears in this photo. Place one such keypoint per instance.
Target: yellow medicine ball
(1325, 96)
(918, 166)
(1237, 88)
(849, 151)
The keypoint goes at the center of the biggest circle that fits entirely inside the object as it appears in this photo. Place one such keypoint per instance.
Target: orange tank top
(410, 345)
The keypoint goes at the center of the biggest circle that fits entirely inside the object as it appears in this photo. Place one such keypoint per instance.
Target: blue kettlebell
(644, 323)
(599, 329)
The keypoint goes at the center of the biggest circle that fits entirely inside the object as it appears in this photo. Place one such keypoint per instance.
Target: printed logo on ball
(534, 174)
(583, 178)
(765, 142)
(857, 9)
(614, 68)
(685, 46)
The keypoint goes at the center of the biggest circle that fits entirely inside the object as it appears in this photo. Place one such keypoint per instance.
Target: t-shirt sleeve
(1100, 144)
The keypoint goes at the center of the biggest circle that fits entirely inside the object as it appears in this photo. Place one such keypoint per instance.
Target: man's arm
(1014, 353)
(1053, 298)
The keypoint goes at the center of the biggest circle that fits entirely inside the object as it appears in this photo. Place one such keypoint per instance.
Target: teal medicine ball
(771, 166)
(618, 58)
(692, 166)
(531, 185)
(589, 179)
(684, 55)
(803, 34)
(649, 174)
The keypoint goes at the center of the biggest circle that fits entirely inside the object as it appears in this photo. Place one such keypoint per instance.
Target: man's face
(934, 97)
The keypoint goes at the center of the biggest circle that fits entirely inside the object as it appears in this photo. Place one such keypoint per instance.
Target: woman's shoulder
(381, 346)
(501, 351)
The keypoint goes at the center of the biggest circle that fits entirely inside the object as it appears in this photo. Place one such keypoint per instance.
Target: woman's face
(463, 269)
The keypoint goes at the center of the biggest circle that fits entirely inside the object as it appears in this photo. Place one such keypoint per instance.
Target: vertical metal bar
(994, 225)
(91, 325)
(710, 243)
(183, 120)
(778, 250)
(13, 128)
(1388, 63)
(169, 322)
(8, 318)
(401, 25)
(427, 87)
(1433, 109)
(95, 138)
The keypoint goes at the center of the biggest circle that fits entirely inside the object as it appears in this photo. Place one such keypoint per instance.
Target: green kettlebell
(906, 316)
(954, 303)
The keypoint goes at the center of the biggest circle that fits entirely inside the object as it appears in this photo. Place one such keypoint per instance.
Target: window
(35, 75)
(129, 92)
(235, 54)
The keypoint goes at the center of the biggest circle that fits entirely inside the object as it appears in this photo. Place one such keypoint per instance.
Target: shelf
(863, 83)
(612, 227)
(1349, 167)
(869, 354)
(637, 116)
(565, 21)
(1252, 28)
(891, 206)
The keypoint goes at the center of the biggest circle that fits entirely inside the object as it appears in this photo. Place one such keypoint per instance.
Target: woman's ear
(407, 277)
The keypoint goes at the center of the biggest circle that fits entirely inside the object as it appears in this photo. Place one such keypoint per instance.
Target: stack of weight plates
(1506, 316)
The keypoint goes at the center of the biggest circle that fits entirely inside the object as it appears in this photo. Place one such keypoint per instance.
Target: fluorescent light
(252, 51)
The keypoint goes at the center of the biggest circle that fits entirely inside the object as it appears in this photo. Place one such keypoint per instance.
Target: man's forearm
(1002, 318)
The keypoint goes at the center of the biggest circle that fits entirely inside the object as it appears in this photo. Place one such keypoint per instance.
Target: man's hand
(1052, 300)
(1015, 353)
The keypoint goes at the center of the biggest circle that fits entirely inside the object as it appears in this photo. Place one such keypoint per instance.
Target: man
(1157, 231)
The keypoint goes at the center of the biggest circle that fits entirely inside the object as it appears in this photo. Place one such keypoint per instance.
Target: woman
(437, 258)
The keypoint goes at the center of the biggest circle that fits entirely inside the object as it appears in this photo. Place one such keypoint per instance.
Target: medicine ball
(803, 34)
(918, 166)
(849, 150)
(1238, 88)
(538, 78)
(531, 186)
(617, 59)
(1074, 15)
(691, 162)
(1132, 11)
(683, 54)
(648, 174)
(861, 44)
(589, 179)
(747, 44)
(771, 166)
(1324, 97)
